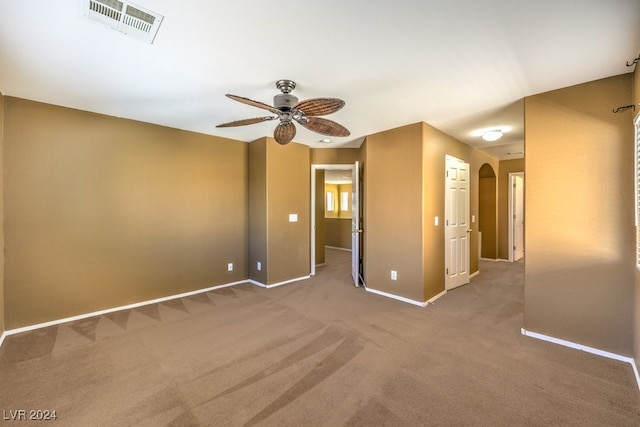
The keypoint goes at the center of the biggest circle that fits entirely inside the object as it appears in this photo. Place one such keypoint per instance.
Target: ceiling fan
(288, 110)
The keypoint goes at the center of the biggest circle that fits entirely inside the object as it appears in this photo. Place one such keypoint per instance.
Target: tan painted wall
(579, 210)
(279, 185)
(102, 212)
(338, 232)
(258, 235)
(2, 310)
(393, 205)
(334, 156)
(506, 167)
(289, 192)
(436, 145)
(488, 216)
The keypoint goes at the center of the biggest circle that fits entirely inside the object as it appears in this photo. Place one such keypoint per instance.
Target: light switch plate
(293, 217)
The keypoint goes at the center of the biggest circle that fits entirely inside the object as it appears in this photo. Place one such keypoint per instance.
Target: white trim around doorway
(314, 168)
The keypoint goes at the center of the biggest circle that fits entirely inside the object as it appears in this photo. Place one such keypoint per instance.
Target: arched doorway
(488, 212)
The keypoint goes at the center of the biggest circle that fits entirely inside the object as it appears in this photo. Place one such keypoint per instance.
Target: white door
(456, 223)
(355, 225)
(518, 217)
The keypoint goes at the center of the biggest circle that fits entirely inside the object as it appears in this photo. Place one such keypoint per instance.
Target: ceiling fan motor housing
(284, 101)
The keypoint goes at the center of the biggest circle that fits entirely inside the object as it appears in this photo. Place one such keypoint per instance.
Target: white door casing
(456, 223)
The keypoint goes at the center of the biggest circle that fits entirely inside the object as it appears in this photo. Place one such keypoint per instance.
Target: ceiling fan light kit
(288, 109)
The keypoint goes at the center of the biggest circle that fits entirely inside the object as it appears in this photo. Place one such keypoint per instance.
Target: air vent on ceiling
(123, 16)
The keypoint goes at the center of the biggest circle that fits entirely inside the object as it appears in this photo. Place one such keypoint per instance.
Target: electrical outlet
(259, 266)
(394, 275)
(230, 266)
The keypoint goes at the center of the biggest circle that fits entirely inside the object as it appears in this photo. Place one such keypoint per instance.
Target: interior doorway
(516, 216)
(340, 203)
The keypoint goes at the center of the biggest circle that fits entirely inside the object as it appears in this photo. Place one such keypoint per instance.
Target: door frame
(512, 181)
(314, 168)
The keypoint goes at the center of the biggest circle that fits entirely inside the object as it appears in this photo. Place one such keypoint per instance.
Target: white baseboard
(136, 305)
(407, 300)
(114, 309)
(472, 275)
(397, 297)
(256, 283)
(275, 285)
(432, 300)
(495, 260)
(588, 349)
(340, 249)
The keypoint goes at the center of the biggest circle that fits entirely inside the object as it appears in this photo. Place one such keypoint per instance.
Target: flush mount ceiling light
(492, 135)
(325, 141)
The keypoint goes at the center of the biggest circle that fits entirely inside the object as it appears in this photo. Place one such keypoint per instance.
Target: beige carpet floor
(318, 352)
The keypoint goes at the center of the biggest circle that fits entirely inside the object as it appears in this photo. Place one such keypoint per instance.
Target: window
(637, 182)
(344, 201)
(330, 205)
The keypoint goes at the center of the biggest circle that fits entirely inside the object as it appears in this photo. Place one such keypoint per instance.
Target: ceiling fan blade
(324, 126)
(284, 132)
(319, 106)
(246, 122)
(253, 103)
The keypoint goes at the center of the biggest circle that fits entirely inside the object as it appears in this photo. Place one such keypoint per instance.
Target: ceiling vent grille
(124, 17)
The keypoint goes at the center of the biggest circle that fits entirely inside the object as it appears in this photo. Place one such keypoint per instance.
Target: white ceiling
(458, 65)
